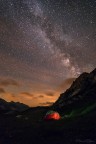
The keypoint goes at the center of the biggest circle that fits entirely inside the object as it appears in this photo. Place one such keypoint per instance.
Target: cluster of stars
(47, 41)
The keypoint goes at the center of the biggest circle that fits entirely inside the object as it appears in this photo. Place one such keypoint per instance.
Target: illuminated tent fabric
(52, 115)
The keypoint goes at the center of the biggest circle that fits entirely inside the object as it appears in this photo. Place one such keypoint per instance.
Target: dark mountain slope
(81, 93)
(77, 107)
(8, 107)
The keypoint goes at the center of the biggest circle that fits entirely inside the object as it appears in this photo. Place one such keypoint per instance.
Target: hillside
(11, 107)
(82, 93)
(77, 107)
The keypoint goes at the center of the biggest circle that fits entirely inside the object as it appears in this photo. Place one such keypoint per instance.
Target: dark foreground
(30, 128)
(77, 107)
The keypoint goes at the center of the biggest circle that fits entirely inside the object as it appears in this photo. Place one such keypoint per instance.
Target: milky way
(42, 44)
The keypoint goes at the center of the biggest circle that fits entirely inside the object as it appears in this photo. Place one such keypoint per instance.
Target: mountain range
(11, 107)
(77, 107)
(81, 94)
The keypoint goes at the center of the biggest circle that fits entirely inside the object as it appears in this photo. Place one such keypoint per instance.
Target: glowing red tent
(52, 115)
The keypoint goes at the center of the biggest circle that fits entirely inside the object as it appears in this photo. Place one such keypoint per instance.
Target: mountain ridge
(82, 91)
(6, 107)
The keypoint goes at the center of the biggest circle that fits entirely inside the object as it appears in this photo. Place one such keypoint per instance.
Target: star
(43, 43)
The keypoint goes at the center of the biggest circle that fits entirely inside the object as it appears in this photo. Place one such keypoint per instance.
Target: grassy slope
(31, 128)
(80, 112)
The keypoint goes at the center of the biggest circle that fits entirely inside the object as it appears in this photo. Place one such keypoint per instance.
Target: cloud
(13, 95)
(50, 94)
(66, 84)
(41, 96)
(2, 91)
(9, 96)
(27, 93)
(69, 80)
(46, 103)
(9, 82)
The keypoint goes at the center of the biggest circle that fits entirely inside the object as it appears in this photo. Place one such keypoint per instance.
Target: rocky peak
(93, 75)
(80, 81)
(83, 89)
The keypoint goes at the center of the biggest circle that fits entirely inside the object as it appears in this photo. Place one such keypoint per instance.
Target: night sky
(44, 46)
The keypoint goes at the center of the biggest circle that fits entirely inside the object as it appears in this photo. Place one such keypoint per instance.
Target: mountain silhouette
(76, 106)
(81, 93)
(11, 107)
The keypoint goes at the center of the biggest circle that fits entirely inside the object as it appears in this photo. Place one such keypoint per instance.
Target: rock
(11, 107)
(82, 92)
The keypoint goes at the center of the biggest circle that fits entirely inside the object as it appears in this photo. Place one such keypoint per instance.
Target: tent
(52, 115)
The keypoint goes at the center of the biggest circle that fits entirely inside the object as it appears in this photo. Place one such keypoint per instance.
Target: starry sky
(44, 46)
